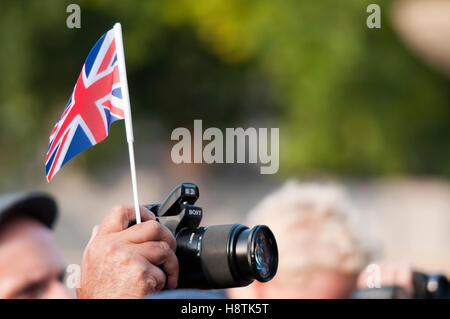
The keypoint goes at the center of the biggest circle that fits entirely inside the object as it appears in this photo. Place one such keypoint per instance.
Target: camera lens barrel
(224, 256)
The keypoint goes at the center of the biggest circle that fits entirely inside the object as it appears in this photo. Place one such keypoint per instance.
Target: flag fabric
(95, 103)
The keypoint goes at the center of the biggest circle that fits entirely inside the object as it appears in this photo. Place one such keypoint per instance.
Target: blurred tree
(348, 99)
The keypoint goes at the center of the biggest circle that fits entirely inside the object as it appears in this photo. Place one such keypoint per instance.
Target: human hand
(122, 262)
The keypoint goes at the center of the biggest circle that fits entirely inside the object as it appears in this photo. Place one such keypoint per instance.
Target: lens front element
(263, 253)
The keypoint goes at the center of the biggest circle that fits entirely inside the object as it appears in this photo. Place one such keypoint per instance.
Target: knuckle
(164, 246)
(140, 269)
(155, 280)
(152, 284)
(154, 224)
(109, 248)
(126, 257)
(154, 227)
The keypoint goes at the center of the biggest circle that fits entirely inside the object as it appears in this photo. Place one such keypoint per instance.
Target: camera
(219, 256)
(430, 286)
(426, 286)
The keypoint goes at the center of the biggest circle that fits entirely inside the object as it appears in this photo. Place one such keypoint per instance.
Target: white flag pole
(127, 111)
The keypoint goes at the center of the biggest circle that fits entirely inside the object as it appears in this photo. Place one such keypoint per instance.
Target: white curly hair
(315, 228)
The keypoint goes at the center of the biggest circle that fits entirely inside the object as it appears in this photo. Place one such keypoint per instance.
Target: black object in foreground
(426, 286)
(220, 256)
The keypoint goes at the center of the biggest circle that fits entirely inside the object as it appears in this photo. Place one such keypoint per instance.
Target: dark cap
(37, 205)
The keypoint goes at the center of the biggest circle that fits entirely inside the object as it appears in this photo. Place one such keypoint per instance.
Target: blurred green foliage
(347, 99)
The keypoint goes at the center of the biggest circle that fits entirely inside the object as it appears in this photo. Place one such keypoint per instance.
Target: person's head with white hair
(320, 254)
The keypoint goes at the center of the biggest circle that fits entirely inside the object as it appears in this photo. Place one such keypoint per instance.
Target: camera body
(178, 210)
(431, 286)
(426, 286)
(219, 256)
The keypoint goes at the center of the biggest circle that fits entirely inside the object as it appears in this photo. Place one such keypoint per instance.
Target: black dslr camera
(431, 286)
(425, 286)
(219, 256)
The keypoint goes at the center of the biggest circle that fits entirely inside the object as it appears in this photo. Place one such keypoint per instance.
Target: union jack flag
(95, 103)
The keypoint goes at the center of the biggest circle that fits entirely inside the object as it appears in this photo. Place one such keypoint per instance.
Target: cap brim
(37, 205)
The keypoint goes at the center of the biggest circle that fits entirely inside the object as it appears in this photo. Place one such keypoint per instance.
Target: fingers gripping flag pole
(127, 110)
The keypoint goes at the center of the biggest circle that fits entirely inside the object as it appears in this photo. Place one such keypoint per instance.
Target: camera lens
(224, 256)
(257, 253)
(264, 258)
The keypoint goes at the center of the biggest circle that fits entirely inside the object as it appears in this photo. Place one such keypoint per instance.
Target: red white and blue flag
(95, 103)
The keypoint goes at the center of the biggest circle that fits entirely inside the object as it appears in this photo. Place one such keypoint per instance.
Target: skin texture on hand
(121, 262)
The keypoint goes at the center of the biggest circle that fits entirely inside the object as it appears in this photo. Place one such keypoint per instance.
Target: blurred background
(368, 108)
